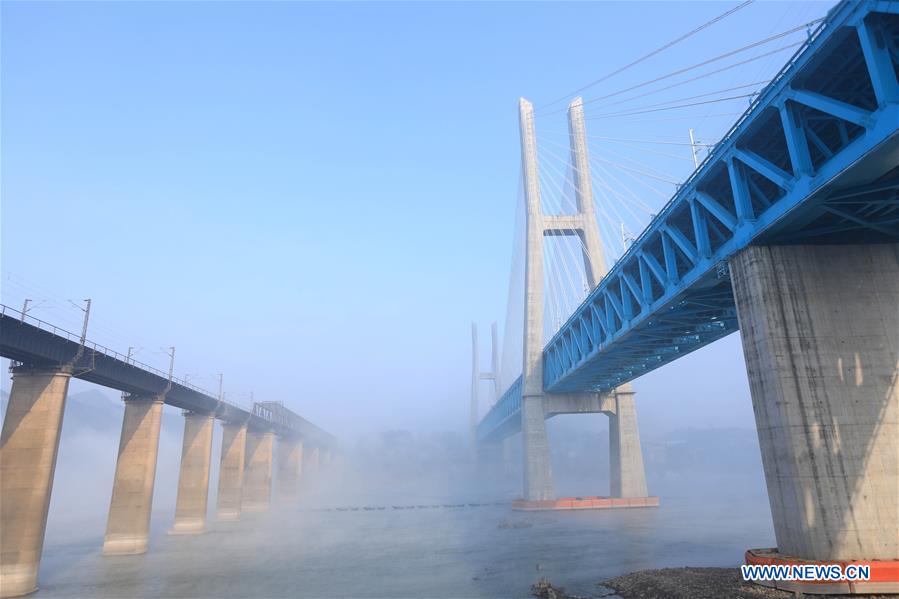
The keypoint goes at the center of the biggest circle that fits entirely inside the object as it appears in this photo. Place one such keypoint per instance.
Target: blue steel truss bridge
(812, 161)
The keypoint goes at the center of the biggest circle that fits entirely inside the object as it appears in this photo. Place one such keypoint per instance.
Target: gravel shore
(677, 583)
(690, 583)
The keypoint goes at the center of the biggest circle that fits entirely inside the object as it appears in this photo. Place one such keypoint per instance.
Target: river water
(311, 549)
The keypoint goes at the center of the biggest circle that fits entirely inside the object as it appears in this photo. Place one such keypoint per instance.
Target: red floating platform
(591, 502)
(884, 577)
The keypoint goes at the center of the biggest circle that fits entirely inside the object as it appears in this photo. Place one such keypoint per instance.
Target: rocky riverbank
(674, 583)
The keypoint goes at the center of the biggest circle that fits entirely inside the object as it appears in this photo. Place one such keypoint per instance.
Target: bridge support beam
(257, 486)
(231, 467)
(626, 473)
(820, 330)
(193, 481)
(128, 525)
(290, 457)
(28, 449)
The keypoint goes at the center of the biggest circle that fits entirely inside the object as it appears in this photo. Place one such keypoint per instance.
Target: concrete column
(820, 330)
(594, 259)
(28, 448)
(231, 467)
(128, 526)
(538, 478)
(257, 485)
(290, 456)
(193, 481)
(474, 402)
(311, 460)
(626, 473)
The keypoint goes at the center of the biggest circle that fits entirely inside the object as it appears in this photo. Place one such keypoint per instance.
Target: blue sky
(317, 199)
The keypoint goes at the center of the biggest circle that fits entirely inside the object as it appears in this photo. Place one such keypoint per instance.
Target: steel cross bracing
(814, 160)
(34, 342)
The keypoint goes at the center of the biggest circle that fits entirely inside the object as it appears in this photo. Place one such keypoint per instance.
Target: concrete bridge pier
(538, 476)
(820, 331)
(231, 468)
(128, 525)
(627, 475)
(290, 456)
(193, 481)
(257, 485)
(28, 449)
(311, 460)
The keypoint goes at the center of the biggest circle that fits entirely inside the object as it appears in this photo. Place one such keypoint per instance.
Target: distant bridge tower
(627, 475)
(477, 375)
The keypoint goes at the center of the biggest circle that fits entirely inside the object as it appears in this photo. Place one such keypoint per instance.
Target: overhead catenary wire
(648, 141)
(705, 75)
(649, 55)
(754, 84)
(656, 152)
(708, 61)
(679, 106)
(681, 117)
(766, 66)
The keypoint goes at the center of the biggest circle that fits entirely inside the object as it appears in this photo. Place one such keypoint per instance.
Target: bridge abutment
(128, 525)
(193, 481)
(820, 330)
(231, 468)
(257, 486)
(28, 449)
(290, 457)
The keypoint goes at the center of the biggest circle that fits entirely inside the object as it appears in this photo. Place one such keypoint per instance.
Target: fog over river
(443, 531)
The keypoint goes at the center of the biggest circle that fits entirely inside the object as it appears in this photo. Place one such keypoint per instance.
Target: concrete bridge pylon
(628, 478)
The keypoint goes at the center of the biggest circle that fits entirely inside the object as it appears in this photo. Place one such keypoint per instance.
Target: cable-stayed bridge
(787, 230)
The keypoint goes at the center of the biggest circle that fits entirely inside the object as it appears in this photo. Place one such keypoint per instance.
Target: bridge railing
(97, 347)
(11, 312)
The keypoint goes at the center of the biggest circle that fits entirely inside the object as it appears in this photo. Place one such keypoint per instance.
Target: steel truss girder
(665, 297)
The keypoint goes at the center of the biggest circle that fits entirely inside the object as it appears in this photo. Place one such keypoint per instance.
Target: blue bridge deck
(815, 159)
